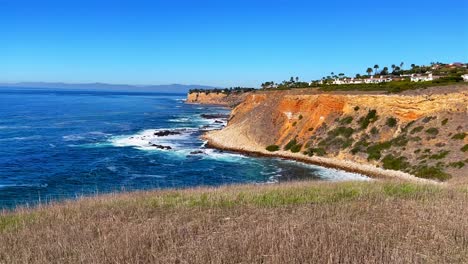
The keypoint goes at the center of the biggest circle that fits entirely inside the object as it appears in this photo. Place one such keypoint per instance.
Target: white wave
(73, 137)
(146, 138)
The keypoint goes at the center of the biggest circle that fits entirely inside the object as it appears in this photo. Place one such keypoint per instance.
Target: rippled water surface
(64, 144)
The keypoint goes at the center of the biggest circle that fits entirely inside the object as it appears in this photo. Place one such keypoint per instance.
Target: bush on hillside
(273, 148)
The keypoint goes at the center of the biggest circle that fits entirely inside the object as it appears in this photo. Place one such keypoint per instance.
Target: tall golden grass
(303, 222)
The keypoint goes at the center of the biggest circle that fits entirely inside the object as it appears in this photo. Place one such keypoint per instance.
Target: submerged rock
(166, 133)
(214, 116)
(161, 146)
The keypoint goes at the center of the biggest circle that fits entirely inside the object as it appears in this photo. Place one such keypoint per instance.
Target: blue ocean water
(64, 144)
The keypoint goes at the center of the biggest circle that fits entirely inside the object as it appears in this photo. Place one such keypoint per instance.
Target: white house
(421, 78)
(378, 80)
(465, 77)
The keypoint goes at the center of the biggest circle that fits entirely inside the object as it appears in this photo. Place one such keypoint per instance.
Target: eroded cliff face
(421, 134)
(213, 98)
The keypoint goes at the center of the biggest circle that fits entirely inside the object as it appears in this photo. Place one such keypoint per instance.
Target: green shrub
(346, 121)
(417, 129)
(464, 148)
(394, 163)
(458, 164)
(341, 131)
(310, 129)
(444, 122)
(374, 152)
(459, 136)
(273, 148)
(356, 108)
(296, 148)
(374, 131)
(290, 144)
(417, 151)
(370, 118)
(294, 124)
(315, 151)
(427, 119)
(431, 173)
(440, 155)
(391, 122)
(300, 117)
(432, 131)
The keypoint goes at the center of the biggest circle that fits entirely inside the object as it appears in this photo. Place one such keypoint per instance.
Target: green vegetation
(432, 131)
(459, 136)
(395, 163)
(374, 131)
(346, 120)
(315, 151)
(440, 155)
(427, 119)
(434, 173)
(300, 117)
(290, 144)
(391, 122)
(273, 148)
(417, 130)
(232, 90)
(370, 118)
(458, 164)
(356, 108)
(294, 124)
(445, 121)
(296, 148)
(341, 131)
(464, 148)
(374, 151)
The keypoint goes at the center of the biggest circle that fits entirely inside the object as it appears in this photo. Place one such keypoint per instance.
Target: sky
(222, 43)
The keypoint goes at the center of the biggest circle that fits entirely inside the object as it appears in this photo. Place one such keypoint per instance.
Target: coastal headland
(415, 133)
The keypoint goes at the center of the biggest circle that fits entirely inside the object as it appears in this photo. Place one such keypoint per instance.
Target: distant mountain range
(169, 88)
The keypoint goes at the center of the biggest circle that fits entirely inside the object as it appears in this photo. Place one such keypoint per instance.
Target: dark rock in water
(214, 116)
(197, 152)
(161, 146)
(218, 122)
(166, 133)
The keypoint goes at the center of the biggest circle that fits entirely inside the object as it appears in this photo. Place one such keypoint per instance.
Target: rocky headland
(416, 133)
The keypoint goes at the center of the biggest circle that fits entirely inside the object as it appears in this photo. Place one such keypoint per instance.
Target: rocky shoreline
(214, 141)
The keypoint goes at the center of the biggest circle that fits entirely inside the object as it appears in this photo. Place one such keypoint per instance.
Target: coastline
(369, 170)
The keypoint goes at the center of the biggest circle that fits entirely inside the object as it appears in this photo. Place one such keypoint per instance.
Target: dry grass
(377, 222)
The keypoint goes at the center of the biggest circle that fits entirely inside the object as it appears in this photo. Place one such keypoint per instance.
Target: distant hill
(169, 88)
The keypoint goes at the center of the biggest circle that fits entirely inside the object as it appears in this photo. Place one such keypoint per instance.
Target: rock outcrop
(224, 99)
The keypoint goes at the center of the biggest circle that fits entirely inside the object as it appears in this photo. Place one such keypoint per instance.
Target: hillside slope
(422, 134)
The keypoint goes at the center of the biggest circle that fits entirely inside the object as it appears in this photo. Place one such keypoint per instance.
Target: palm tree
(413, 66)
(369, 71)
(376, 67)
(297, 79)
(341, 75)
(401, 65)
(393, 67)
(385, 70)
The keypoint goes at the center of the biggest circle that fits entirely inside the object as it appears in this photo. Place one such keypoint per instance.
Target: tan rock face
(266, 118)
(216, 98)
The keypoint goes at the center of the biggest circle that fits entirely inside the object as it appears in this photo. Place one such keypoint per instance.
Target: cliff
(422, 134)
(230, 100)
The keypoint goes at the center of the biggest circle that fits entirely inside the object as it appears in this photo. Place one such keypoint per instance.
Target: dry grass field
(303, 222)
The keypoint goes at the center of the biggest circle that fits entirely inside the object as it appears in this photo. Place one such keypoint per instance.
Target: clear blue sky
(222, 42)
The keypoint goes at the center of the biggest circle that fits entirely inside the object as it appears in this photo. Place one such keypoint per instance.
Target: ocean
(58, 145)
